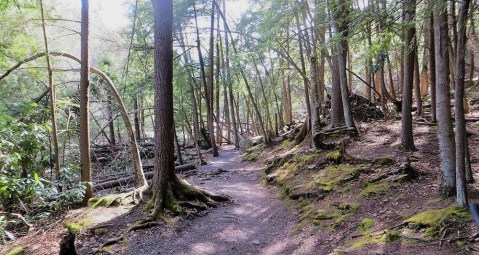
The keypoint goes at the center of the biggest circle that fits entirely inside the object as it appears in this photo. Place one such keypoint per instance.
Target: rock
(271, 177)
(245, 144)
(256, 241)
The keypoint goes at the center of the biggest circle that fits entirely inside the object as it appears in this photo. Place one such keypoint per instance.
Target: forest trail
(256, 222)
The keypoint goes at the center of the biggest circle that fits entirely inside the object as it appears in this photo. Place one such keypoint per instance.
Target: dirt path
(257, 222)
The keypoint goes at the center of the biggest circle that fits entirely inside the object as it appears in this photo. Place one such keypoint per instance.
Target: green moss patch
(375, 238)
(252, 157)
(330, 177)
(384, 161)
(331, 217)
(15, 251)
(365, 225)
(371, 189)
(334, 157)
(252, 154)
(432, 220)
(106, 201)
(76, 228)
(100, 231)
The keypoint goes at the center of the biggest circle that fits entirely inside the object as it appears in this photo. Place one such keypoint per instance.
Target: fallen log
(148, 175)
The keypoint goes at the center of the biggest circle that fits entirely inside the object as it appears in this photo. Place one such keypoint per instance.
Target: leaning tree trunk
(138, 171)
(56, 151)
(84, 104)
(443, 102)
(461, 135)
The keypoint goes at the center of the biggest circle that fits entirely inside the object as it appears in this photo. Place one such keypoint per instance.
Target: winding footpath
(256, 222)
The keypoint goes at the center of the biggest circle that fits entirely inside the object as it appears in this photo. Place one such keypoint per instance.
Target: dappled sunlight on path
(256, 222)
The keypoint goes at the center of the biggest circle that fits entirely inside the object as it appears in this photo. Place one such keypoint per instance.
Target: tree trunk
(136, 105)
(443, 103)
(337, 114)
(303, 65)
(432, 64)
(417, 85)
(230, 82)
(111, 121)
(209, 90)
(461, 135)
(342, 26)
(84, 104)
(407, 140)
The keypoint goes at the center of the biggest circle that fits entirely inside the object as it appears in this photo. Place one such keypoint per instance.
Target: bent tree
(169, 192)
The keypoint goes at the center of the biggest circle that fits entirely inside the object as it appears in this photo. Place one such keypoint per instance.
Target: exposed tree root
(182, 197)
(144, 224)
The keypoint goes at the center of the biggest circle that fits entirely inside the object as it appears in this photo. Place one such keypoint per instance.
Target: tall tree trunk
(209, 90)
(204, 81)
(56, 150)
(178, 149)
(432, 64)
(391, 80)
(461, 135)
(303, 64)
(84, 104)
(337, 113)
(342, 25)
(191, 81)
(245, 80)
(407, 140)
(111, 121)
(230, 82)
(417, 85)
(164, 123)
(136, 105)
(443, 103)
(219, 133)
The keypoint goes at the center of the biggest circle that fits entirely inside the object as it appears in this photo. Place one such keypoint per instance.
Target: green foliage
(23, 159)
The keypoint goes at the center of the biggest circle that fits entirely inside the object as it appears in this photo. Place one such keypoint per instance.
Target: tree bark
(461, 135)
(342, 26)
(86, 176)
(443, 103)
(407, 140)
(164, 127)
(230, 82)
(209, 90)
(432, 64)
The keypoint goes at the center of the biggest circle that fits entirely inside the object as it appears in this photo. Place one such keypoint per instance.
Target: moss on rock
(106, 201)
(330, 177)
(375, 238)
(431, 220)
(76, 228)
